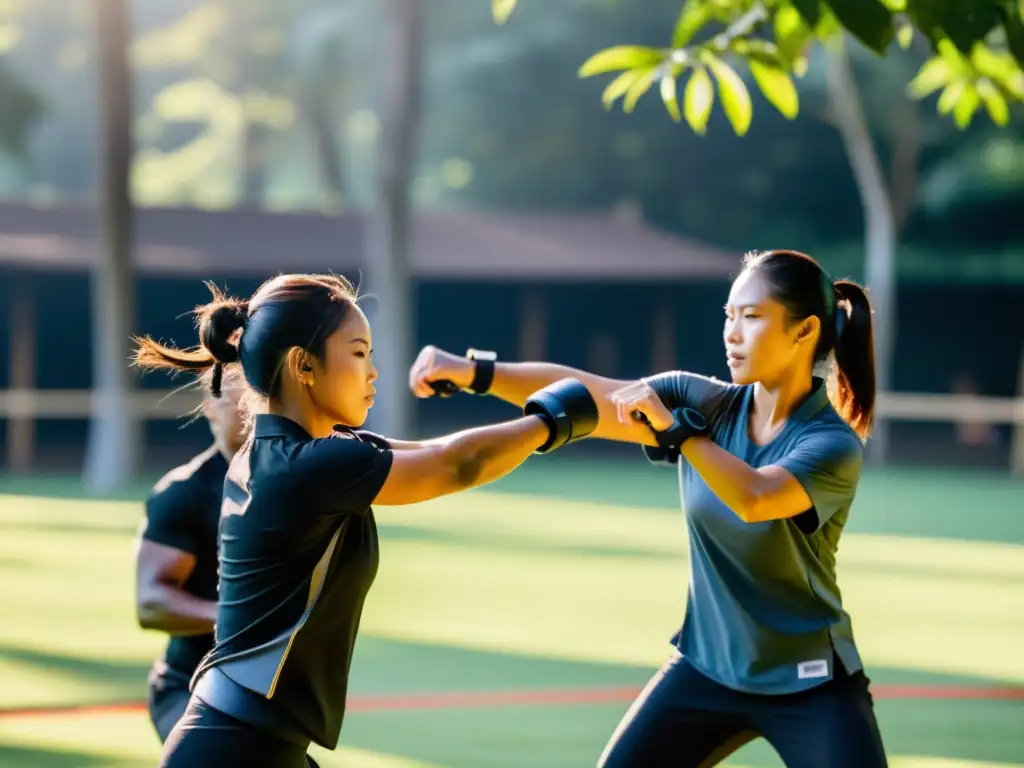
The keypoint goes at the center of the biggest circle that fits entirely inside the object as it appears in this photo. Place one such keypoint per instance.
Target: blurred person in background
(298, 541)
(768, 471)
(176, 555)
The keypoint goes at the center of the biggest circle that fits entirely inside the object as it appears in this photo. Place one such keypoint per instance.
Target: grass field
(511, 627)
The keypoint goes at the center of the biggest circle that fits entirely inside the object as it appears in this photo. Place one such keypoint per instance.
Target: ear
(300, 365)
(808, 330)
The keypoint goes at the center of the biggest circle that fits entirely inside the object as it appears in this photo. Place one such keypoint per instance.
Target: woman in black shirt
(298, 542)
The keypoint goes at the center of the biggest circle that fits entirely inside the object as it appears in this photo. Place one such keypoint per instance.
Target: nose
(731, 333)
(373, 373)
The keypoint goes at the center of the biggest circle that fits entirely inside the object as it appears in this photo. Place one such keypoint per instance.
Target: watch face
(695, 419)
(481, 354)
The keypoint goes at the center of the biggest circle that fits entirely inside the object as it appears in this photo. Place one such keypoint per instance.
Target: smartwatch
(483, 371)
(483, 375)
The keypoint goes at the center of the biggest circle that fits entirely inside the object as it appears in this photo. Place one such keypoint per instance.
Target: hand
(639, 398)
(433, 364)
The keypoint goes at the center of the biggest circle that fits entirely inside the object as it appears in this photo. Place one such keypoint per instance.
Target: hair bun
(218, 327)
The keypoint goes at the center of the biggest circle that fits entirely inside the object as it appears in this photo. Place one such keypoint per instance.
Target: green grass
(559, 577)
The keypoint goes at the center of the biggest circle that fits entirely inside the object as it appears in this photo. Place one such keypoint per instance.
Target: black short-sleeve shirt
(183, 511)
(298, 553)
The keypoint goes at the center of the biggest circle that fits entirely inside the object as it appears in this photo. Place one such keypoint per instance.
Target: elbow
(148, 614)
(752, 505)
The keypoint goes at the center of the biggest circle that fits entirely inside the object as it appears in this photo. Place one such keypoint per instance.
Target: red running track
(394, 702)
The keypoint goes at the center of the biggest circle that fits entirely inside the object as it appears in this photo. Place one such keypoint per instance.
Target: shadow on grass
(115, 680)
(44, 757)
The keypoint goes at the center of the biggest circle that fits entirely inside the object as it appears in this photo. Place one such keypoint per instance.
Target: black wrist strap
(483, 370)
(688, 423)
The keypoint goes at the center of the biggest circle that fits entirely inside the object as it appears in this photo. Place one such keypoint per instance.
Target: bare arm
(515, 382)
(460, 461)
(161, 603)
(755, 495)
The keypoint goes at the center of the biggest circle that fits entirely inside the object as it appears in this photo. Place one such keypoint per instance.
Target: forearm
(175, 611)
(515, 382)
(738, 485)
(482, 455)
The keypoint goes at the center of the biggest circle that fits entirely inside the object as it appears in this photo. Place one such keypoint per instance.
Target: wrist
(482, 365)
(686, 423)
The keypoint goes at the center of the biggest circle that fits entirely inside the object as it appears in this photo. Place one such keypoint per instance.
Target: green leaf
(995, 104)
(950, 96)
(966, 106)
(905, 35)
(1014, 26)
(777, 87)
(639, 88)
(934, 74)
(1001, 68)
(809, 10)
(502, 9)
(619, 86)
(694, 15)
(621, 57)
(829, 26)
(698, 100)
(867, 20)
(734, 93)
(791, 33)
(670, 97)
(764, 51)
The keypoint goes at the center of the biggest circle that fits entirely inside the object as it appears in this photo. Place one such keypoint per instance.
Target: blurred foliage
(22, 109)
(978, 48)
(242, 102)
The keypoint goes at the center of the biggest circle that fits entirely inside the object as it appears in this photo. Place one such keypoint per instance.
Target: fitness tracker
(483, 371)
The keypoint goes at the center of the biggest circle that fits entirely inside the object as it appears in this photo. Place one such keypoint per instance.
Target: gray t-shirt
(765, 613)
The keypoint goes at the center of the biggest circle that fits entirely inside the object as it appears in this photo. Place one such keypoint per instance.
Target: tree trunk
(113, 436)
(327, 153)
(255, 147)
(388, 258)
(879, 222)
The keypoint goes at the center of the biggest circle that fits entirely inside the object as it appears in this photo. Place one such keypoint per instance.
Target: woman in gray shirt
(769, 468)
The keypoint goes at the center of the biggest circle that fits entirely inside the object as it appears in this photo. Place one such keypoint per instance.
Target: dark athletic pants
(207, 738)
(683, 719)
(168, 697)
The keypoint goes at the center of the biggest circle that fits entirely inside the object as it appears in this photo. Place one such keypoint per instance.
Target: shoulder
(344, 453)
(711, 396)
(182, 483)
(826, 444)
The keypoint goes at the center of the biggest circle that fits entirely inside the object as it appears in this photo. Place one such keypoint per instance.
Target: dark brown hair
(843, 308)
(287, 311)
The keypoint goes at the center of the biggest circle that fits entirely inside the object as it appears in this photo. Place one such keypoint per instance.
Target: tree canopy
(977, 47)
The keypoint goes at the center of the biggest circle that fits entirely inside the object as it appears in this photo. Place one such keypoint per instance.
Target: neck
(227, 451)
(775, 401)
(306, 415)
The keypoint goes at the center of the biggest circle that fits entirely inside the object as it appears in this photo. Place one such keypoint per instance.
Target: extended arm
(515, 382)
(460, 461)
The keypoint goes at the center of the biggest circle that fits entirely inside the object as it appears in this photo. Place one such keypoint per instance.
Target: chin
(741, 376)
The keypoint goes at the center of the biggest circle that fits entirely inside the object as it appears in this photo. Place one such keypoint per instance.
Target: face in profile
(224, 415)
(343, 379)
(761, 340)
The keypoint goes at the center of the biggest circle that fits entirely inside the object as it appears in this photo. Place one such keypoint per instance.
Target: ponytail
(219, 322)
(854, 391)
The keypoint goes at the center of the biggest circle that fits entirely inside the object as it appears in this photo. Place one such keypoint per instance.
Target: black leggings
(207, 738)
(168, 697)
(683, 719)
